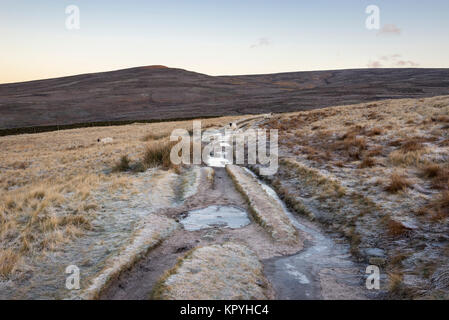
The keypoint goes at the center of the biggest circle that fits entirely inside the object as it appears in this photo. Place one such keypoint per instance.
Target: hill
(161, 93)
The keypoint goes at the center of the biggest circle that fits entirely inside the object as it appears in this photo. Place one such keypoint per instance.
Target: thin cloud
(392, 60)
(408, 63)
(261, 42)
(389, 29)
(374, 64)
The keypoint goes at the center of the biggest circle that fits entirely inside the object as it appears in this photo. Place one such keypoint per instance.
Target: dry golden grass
(441, 181)
(437, 173)
(8, 261)
(395, 282)
(158, 154)
(375, 151)
(442, 203)
(397, 183)
(397, 258)
(407, 159)
(388, 130)
(431, 170)
(367, 162)
(395, 228)
(154, 136)
(375, 132)
(411, 145)
(441, 118)
(122, 165)
(47, 183)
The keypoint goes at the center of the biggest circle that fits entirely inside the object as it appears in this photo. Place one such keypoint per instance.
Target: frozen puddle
(215, 216)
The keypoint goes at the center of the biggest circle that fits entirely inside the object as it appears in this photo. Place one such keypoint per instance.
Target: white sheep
(233, 125)
(105, 140)
(268, 115)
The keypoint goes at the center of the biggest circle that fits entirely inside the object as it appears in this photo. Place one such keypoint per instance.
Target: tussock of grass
(395, 282)
(367, 162)
(442, 203)
(8, 261)
(438, 174)
(374, 152)
(352, 133)
(431, 170)
(411, 158)
(158, 154)
(441, 181)
(397, 258)
(395, 228)
(375, 132)
(396, 287)
(441, 118)
(354, 240)
(397, 183)
(122, 165)
(437, 210)
(357, 142)
(411, 146)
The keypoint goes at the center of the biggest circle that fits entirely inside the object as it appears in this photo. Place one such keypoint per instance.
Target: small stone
(375, 252)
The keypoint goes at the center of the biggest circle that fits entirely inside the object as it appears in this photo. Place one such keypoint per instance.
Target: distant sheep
(105, 140)
(268, 115)
(233, 125)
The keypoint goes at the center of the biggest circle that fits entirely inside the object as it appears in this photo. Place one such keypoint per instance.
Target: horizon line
(156, 66)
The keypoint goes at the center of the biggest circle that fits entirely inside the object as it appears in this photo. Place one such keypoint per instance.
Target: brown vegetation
(395, 228)
(397, 183)
(122, 165)
(394, 156)
(367, 162)
(49, 183)
(158, 154)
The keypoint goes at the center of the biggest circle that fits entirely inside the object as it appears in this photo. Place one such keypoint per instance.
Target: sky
(218, 37)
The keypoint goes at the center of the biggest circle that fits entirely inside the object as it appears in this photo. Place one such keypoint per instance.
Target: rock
(375, 252)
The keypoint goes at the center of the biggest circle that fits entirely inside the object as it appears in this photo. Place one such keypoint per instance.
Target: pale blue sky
(218, 37)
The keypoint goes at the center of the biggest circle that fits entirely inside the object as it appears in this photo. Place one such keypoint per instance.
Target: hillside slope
(158, 92)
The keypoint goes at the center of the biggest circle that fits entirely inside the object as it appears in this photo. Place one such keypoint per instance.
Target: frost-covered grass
(268, 213)
(53, 188)
(392, 159)
(154, 231)
(226, 271)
